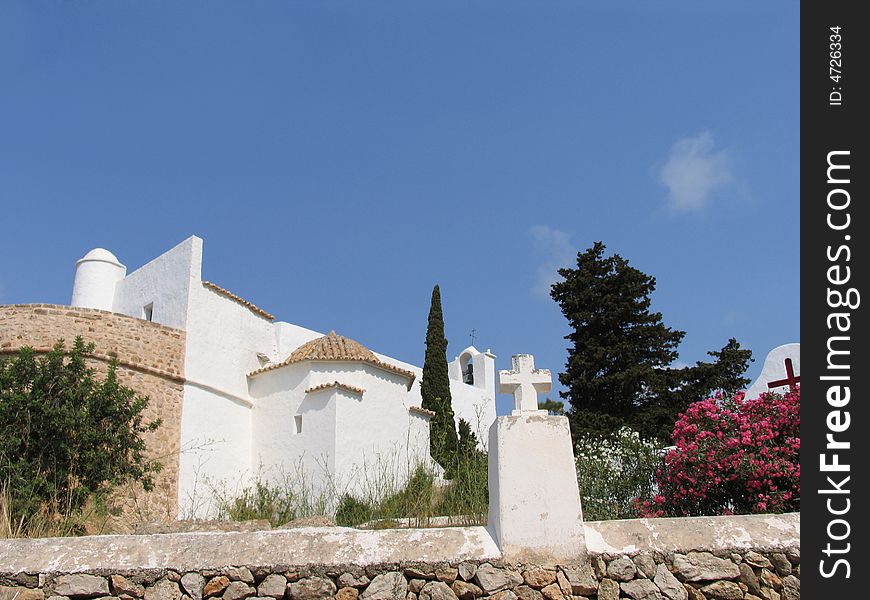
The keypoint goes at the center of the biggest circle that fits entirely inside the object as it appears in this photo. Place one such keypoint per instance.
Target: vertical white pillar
(534, 499)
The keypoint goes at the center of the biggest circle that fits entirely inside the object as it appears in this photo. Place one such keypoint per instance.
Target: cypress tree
(435, 387)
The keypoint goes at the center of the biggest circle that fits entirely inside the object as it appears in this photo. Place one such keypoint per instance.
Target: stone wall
(714, 558)
(747, 575)
(151, 361)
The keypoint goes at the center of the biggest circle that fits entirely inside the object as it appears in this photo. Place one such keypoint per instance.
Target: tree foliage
(682, 387)
(617, 369)
(435, 387)
(65, 435)
(553, 407)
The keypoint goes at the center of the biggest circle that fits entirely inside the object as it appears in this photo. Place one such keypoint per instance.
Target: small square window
(298, 422)
(148, 311)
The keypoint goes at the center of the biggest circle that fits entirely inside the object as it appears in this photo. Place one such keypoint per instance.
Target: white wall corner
(194, 243)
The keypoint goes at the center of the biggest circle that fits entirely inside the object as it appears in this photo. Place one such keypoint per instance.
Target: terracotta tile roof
(251, 307)
(423, 411)
(331, 347)
(336, 384)
(336, 348)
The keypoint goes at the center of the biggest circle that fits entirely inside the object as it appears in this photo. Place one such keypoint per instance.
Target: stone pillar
(534, 499)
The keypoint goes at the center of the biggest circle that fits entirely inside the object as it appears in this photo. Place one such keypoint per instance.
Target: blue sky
(340, 158)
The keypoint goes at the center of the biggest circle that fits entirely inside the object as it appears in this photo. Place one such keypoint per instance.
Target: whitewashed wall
(215, 449)
(354, 437)
(288, 337)
(275, 444)
(230, 426)
(223, 340)
(164, 282)
(376, 449)
(474, 404)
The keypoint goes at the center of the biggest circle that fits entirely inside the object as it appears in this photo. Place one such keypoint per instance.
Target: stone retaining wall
(151, 361)
(735, 558)
(646, 576)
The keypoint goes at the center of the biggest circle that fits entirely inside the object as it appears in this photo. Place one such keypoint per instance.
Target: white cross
(525, 382)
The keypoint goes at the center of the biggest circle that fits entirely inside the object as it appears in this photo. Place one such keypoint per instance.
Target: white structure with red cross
(781, 371)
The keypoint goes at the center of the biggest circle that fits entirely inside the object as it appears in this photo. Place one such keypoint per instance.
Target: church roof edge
(249, 305)
(338, 385)
(422, 411)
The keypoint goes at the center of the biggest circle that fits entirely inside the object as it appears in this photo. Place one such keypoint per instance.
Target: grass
(375, 497)
(54, 519)
(277, 503)
(378, 501)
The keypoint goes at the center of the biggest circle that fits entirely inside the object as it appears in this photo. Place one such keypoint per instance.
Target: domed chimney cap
(100, 255)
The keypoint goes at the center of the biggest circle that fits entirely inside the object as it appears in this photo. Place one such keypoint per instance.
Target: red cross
(790, 380)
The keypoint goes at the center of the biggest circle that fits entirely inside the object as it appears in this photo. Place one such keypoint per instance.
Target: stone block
(641, 589)
(723, 590)
(465, 590)
(621, 569)
(81, 585)
(703, 566)
(668, 584)
(386, 586)
(20, 593)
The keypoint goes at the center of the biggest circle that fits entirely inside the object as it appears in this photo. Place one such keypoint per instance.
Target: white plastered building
(276, 399)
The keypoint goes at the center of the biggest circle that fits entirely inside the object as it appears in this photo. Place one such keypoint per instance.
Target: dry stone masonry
(725, 575)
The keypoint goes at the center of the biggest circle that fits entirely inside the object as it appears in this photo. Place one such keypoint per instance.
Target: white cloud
(556, 250)
(694, 171)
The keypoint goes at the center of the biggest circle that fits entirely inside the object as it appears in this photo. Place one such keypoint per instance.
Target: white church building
(270, 397)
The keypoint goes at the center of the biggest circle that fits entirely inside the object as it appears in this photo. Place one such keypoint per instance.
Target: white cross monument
(534, 500)
(525, 382)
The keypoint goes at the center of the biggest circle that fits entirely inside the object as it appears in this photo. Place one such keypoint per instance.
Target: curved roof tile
(334, 347)
(338, 385)
(331, 347)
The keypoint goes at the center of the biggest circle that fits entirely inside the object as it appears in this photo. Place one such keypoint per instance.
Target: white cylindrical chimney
(97, 272)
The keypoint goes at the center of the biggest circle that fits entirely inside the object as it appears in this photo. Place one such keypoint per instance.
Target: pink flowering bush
(732, 456)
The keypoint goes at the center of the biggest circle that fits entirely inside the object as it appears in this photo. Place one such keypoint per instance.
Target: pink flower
(729, 452)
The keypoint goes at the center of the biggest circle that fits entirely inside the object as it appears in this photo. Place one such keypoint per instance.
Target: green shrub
(67, 438)
(413, 500)
(259, 502)
(278, 497)
(352, 511)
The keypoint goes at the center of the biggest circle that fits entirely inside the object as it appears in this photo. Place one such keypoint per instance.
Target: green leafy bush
(353, 511)
(67, 436)
(413, 500)
(260, 502)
